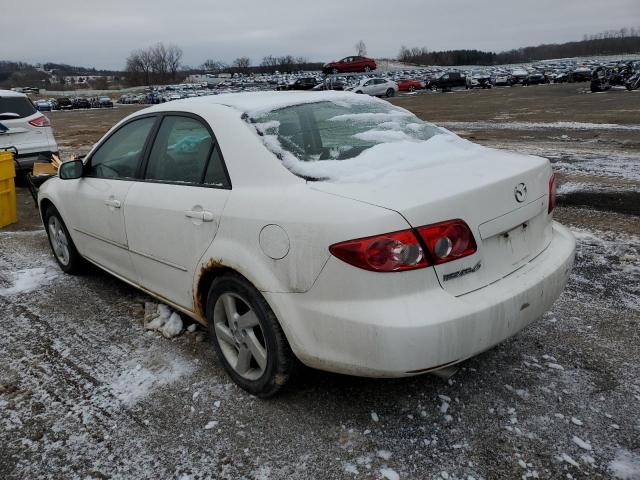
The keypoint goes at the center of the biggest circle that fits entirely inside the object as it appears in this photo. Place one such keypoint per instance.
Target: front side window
(120, 155)
(180, 151)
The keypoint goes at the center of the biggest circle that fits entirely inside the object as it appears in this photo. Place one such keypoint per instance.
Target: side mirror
(71, 169)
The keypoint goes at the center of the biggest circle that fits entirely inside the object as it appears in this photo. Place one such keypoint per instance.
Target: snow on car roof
(256, 103)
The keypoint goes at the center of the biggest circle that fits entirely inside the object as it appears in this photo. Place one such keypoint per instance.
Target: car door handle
(113, 203)
(203, 215)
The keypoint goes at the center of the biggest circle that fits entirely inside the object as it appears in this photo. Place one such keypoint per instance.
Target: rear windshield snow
(311, 138)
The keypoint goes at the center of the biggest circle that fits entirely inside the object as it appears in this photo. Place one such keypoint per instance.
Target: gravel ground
(86, 392)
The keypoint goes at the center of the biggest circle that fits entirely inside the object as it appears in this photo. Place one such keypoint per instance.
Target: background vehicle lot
(92, 394)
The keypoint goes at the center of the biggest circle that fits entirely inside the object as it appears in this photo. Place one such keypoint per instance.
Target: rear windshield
(328, 130)
(19, 105)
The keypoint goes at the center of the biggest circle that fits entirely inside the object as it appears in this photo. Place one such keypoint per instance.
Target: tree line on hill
(613, 42)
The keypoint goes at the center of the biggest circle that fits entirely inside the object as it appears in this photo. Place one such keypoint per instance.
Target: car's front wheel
(61, 243)
(247, 337)
(390, 92)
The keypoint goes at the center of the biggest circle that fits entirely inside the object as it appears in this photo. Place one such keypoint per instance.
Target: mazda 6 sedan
(326, 228)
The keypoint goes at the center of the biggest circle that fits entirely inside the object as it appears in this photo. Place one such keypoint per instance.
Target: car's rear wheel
(247, 337)
(367, 68)
(334, 71)
(390, 92)
(62, 245)
(412, 88)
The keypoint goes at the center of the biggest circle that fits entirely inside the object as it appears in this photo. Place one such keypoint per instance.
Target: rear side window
(21, 106)
(119, 156)
(180, 152)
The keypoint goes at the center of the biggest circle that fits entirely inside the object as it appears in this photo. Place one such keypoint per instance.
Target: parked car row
(65, 103)
(603, 77)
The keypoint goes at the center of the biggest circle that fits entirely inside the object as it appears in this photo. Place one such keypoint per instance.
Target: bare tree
(361, 48)
(173, 58)
(155, 64)
(215, 66)
(242, 64)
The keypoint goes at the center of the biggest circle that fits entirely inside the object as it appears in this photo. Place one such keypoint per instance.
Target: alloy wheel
(59, 240)
(240, 335)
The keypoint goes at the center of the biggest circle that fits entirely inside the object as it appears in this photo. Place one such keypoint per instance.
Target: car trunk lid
(477, 185)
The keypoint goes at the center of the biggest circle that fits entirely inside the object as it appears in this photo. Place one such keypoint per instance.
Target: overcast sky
(102, 33)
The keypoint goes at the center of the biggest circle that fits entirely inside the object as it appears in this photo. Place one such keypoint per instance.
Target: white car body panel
(96, 222)
(402, 325)
(275, 228)
(165, 237)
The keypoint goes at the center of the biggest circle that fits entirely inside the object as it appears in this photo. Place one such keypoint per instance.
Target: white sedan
(325, 227)
(377, 87)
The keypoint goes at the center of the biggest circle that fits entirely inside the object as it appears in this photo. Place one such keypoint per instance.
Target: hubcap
(240, 335)
(59, 240)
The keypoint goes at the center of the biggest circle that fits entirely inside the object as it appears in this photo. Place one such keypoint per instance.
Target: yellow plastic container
(8, 213)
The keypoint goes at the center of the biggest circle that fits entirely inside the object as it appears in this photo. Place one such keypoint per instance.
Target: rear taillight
(390, 252)
(447, 241)
(40, 121)
(400, 251)
(552, 193)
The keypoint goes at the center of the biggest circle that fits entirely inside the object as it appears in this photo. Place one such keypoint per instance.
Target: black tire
(390, 92)
(281, 363)
(412, 88)
(359, 92)
(72, 264)
(335, 71)
(367, 68)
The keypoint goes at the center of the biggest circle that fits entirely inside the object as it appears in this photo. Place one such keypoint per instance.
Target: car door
(348, 64)
(172, 214)
(381, 86)
(368, 87)
(94, 203)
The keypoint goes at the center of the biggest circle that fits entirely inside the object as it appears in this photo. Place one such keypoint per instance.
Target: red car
(350, 64)
(409, 84)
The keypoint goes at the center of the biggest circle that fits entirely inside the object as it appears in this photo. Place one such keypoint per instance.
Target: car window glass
(21, 106)
(120, 154)
(180, 151)
(216, 175)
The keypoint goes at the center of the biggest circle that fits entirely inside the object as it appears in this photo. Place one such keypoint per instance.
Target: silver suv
(24, 128)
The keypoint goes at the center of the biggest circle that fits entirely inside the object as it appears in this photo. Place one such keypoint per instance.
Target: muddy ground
(85, 392)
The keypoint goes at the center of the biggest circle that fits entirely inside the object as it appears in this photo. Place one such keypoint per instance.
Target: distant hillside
(588, 47)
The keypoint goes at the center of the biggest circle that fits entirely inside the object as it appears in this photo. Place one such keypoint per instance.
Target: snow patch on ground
(29, 279)
(625, 465)
(612, 255)
(142, 376)
(537, 126)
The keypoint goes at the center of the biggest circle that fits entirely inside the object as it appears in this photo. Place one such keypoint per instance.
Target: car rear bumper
(408, 334)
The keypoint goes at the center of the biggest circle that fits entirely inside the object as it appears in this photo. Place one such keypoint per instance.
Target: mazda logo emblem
(521, 192)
